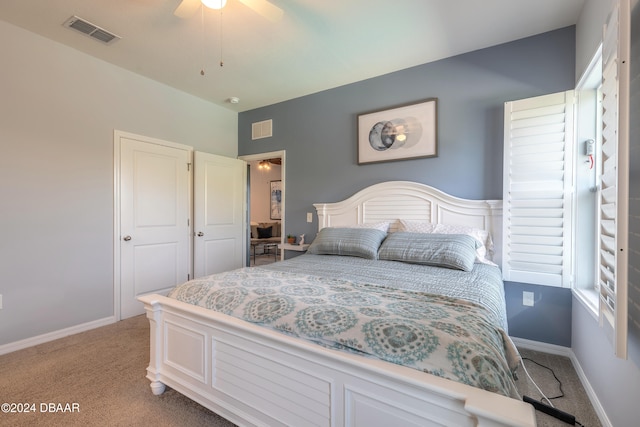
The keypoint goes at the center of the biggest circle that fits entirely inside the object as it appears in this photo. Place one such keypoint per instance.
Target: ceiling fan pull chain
(221, 61)
(203, 39)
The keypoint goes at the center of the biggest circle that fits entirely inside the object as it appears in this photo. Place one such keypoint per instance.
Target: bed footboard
(257, 377)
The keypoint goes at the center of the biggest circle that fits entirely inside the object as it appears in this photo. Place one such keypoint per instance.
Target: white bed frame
(257, 377)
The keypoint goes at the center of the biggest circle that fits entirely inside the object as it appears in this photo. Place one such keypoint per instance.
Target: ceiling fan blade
(265, 8)
(187, 8)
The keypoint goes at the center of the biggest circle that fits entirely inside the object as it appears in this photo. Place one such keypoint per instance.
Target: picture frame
(405, 132)
(275, 200)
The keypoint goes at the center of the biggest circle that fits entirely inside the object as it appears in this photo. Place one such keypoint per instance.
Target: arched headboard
(394, 200)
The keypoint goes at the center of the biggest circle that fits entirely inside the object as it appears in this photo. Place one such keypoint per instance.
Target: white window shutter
(538, 190)
(614, 182)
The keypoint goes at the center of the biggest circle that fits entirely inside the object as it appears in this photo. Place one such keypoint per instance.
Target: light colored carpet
(263, 259)
(103, 372)
(575, 400)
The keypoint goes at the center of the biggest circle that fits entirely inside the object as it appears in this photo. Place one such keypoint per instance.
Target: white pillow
(382, 226)
(416, 226)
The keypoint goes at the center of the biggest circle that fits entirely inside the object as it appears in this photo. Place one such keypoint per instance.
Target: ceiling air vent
(263, 129)
(91, 30)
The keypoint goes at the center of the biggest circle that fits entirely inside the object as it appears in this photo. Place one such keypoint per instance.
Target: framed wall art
(275, 199)
(405, 132)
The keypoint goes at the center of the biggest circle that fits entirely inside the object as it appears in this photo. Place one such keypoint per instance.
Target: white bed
(259, 377)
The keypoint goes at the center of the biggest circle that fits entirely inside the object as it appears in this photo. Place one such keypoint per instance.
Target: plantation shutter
(614, 181)
(538, 170)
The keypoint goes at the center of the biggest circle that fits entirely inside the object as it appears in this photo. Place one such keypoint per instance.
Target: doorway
(266, 172)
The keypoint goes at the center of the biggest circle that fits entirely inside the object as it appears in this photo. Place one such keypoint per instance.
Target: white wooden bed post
(154, 314)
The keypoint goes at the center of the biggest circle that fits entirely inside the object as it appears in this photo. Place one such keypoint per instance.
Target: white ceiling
(317, 45)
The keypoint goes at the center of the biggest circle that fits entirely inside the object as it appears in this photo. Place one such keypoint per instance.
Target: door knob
(200, 234)
(126, 238)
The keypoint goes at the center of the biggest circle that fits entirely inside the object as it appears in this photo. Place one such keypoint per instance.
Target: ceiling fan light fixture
(214, 4)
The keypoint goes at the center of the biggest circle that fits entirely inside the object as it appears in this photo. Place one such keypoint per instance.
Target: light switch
(309, 217)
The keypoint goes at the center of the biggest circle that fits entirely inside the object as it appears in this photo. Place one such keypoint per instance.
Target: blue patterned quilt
(444, 322)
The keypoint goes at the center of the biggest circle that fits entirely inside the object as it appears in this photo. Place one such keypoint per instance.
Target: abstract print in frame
(275, 199)
(405, 132)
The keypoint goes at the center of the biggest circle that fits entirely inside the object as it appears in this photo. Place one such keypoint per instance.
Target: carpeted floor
(263, 259)
(542, 367)
(103, 373)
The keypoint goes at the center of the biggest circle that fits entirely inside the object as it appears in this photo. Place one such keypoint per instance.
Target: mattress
(441, 321)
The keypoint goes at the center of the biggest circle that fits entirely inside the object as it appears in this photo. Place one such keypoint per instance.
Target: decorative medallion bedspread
(438, 334)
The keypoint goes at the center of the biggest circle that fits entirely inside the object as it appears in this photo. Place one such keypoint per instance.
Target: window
(587, 172)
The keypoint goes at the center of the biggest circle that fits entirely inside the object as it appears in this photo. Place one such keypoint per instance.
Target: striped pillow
(358, 242)
(455, 251)
(485, 249)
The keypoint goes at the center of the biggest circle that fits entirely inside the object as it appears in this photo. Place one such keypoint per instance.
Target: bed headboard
(393, 200)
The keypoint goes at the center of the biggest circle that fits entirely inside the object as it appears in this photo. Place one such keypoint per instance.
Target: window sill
(589, 299)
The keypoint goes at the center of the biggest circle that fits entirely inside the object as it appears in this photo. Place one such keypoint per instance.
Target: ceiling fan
(266, 163)
(187, 8)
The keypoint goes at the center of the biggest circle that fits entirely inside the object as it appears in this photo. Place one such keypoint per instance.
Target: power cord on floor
(540, 405)
(552, 373)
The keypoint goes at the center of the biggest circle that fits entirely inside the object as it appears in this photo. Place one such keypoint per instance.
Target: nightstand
(290, 247)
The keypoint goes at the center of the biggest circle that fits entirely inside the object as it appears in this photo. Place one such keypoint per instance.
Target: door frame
(264, 156)
(117, 136)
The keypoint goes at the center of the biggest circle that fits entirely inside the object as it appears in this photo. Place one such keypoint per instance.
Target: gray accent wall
(319, 134)
(548, 321)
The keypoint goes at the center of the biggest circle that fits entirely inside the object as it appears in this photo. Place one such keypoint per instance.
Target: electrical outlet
(309, 217)
(527, 298)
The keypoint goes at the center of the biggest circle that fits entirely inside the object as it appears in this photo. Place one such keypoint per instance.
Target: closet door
(219, 213)
(154, 213)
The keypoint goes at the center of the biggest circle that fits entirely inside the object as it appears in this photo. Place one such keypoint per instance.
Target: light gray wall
(634, 189)
(589, 32)
(58, 112)
(615, 381)
(319, 133)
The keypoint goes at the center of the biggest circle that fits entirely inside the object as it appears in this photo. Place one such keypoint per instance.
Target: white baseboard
(41, 339)
(604, 420)
(568, 352)
(542, 346)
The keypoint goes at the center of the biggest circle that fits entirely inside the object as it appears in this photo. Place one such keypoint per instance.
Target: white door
(154, 220)
(219, 213)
